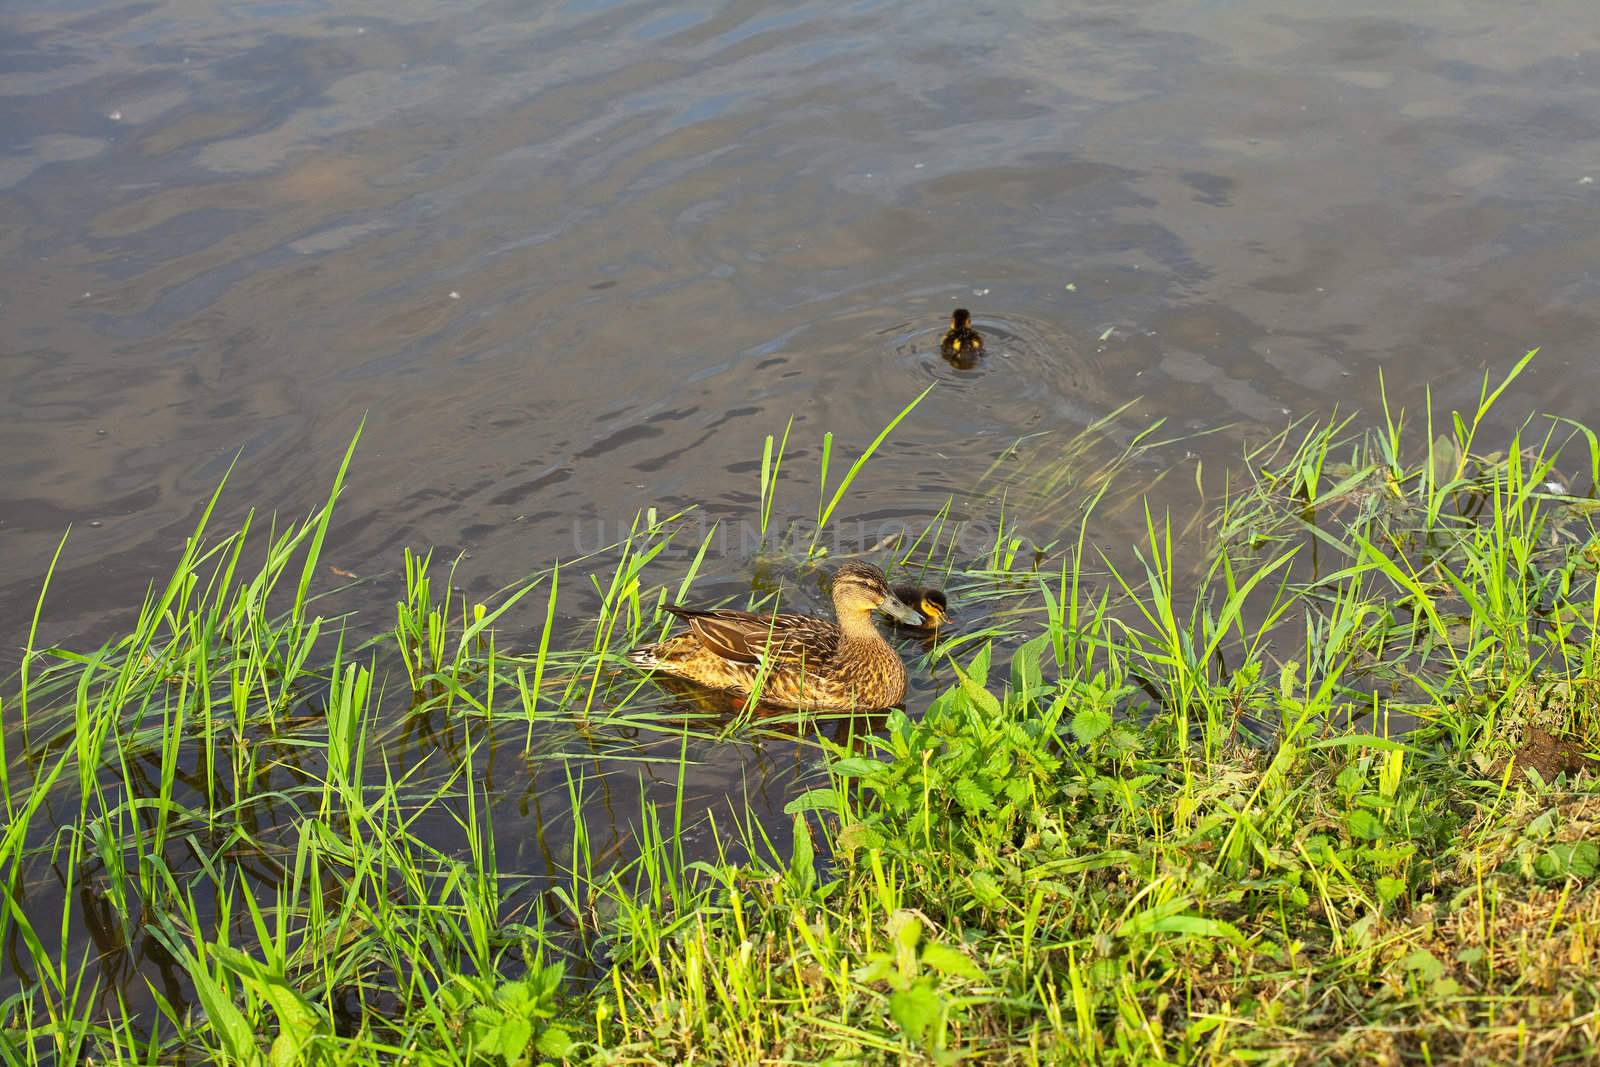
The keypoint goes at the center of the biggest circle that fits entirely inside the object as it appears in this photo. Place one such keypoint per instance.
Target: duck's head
(859, 589)
(960, 319)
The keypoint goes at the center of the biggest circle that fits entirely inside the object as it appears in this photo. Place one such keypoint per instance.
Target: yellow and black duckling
(931, 604)
(796, 660)
(962, 344)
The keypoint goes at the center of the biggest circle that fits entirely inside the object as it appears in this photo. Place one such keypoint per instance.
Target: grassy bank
(1303, 783)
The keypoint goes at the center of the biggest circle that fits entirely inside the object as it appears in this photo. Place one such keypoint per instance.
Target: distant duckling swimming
(931, 604)
(962, 343)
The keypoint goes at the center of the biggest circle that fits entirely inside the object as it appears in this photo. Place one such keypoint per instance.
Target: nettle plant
(975, 765)
(921, 1002)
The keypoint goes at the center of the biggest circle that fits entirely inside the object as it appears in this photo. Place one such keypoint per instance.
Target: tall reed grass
(1303, 779)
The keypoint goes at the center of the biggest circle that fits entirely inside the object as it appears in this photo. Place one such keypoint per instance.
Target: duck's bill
(899, 609)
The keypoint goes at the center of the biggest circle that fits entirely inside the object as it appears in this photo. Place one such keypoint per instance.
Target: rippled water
(572, 260)
(575, 259)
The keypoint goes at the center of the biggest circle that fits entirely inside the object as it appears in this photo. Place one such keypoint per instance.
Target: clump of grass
(189, 865)
(1269, 804)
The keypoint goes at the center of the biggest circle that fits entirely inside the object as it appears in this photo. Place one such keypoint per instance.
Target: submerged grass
(1312, 787)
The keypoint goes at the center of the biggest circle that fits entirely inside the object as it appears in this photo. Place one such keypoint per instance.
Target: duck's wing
(742, 637)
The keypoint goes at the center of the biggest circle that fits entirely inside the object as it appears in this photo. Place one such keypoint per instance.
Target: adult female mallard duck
(931, 604)
(961, 343)
(794, 660)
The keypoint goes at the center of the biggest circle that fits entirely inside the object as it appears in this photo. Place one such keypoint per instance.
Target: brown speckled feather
(795, 660)
(782, 641)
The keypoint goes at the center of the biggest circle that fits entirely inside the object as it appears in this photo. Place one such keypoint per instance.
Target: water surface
(574, 259)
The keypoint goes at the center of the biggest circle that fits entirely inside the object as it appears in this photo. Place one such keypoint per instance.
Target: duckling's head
(960, 319)
(859, 589)
(933, 605)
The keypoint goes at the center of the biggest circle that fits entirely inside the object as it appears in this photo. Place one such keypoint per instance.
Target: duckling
(961, 345)
(795, 660)
(931, 604)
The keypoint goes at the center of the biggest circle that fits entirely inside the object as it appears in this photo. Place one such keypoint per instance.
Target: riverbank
(1309, 782)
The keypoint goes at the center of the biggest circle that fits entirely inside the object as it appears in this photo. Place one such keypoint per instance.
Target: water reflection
(240, 225)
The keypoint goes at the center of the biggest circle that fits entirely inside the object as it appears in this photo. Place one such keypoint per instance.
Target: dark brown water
(572, 260)
(667, 227)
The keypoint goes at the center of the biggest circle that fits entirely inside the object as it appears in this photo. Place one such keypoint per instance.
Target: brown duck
(794, 661)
